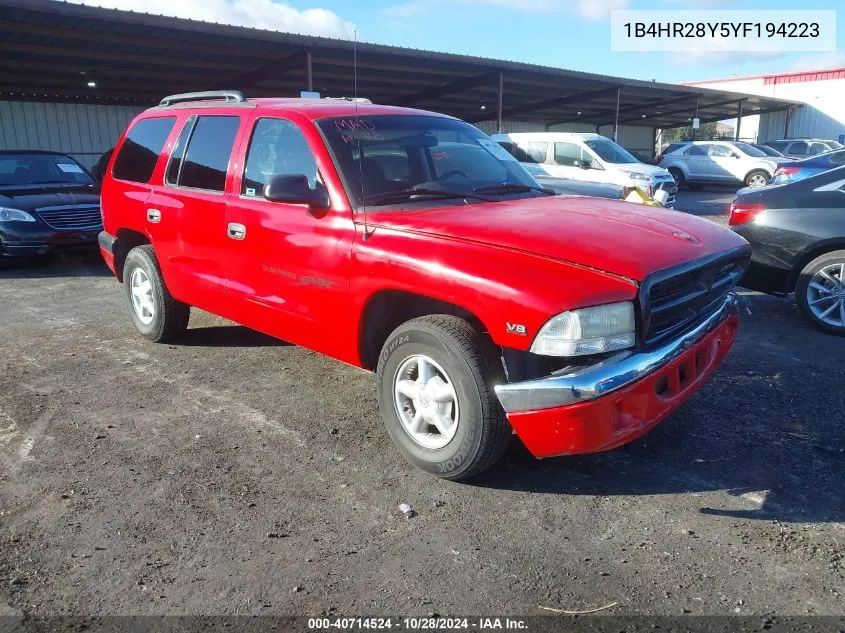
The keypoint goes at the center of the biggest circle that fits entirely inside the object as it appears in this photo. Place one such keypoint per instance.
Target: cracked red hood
(618, 237)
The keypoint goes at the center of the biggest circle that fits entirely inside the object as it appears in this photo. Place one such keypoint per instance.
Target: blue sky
(571, 34)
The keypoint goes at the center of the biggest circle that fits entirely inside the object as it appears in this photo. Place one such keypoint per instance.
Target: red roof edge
(781, 78)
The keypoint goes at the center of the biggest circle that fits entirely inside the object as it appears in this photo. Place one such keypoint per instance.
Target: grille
(72, 216)
(677, 301)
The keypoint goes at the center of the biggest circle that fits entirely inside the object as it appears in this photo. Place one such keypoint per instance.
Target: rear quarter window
(137, 157)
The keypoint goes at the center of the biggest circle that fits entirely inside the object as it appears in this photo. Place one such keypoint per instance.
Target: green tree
(706, 132)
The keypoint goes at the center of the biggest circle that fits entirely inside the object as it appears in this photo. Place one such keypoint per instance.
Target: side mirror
(294, 189)
(585, 163)
(735, 156)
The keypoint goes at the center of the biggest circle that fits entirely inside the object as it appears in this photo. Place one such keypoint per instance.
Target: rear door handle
(236, 231)
(154, 216)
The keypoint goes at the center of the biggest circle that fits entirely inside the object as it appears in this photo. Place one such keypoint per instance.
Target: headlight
(14, 215)
(639, 176)
(588, 331)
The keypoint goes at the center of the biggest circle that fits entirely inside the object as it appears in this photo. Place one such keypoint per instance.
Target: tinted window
(817, 148)
(567, 153)
(696, 150)
(673, 146)
(178, 153)
(39, 169)
(778, 145)
(531, 152)
(136, 160)
(798, 148)
(837, 158)
(205, 162)
(277, 148)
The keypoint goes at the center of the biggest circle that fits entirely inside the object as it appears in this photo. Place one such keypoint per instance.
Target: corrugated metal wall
(83, 131)
(806, 122)
(635, 138)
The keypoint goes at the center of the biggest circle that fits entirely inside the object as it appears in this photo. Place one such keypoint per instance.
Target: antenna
(357, 129)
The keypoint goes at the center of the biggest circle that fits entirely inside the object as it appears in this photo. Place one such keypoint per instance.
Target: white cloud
(835, 59)
(590, 9)
(599, 9)
(262, 14)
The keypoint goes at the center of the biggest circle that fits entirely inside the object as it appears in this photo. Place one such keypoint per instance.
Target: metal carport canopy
(51, 50)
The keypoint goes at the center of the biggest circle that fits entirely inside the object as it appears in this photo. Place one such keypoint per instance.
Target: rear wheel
(757, 178)
(677, 176)
(155, 313)
(435, 382)
(820, 292)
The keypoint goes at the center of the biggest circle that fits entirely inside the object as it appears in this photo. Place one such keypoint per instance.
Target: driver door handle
(236, 231)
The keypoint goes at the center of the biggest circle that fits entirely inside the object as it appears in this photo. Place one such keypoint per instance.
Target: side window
(719, 151)
(567, 153)
(171, 176)
(136, 160)
(208, 152)
(798, 148)
(817, 148)
(778, 145)
(277, 148)
(531, 152)
(696, 150)
(838, 158)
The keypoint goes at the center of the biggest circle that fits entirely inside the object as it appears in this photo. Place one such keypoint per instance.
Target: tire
(168, 318)
(833, 264)
(678, 176)
(471, 365)
(755, 177)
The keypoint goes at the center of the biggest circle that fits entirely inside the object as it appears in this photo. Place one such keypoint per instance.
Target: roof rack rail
(352, 99)
(229, 96)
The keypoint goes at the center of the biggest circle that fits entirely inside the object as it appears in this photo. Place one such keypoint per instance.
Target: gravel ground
(234, 474)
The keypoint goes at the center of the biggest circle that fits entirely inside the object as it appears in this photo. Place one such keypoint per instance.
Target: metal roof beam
(700, 107)
(265, 72)
(547, 103)
(438, 91)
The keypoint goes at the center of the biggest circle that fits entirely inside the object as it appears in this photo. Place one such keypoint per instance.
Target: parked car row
(696, 163)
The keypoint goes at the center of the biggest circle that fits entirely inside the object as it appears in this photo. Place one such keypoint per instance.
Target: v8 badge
(517, 328)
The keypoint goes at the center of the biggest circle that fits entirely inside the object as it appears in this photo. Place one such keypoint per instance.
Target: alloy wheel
(426, 402)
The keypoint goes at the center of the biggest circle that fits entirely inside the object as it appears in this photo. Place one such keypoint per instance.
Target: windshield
(750, 150)
(424, 160)
(610, 152)
(41, 169)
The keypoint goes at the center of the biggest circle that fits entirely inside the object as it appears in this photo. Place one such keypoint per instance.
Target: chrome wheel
(826, 295)
(758, 180)
(426, 402)
(142, 296)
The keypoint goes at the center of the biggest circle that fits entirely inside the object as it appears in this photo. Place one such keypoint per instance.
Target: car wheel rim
(142, 296)
(426, 402)
(757, 180)
(826, 295)
(676, 179)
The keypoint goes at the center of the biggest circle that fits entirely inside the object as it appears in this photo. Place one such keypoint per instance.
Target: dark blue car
(796, 170)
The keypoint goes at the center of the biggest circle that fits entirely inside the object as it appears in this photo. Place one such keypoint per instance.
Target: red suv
(410, 244)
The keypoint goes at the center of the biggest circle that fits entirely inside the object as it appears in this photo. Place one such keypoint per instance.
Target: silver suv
(803, 147)
(725, 162)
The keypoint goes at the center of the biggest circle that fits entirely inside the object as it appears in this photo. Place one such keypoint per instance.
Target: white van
(586, 157)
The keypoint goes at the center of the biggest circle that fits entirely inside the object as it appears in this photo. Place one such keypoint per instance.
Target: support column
(616, 117)
(695, 116)
(499, 108)
(309, 72)
(738, 121)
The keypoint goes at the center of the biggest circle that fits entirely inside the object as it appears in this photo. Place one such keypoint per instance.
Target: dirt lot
(234, 474)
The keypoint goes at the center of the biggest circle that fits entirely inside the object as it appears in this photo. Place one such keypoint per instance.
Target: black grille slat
(72, 217)
(679, 300)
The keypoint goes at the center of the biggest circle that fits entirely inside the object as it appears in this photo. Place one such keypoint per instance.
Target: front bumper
(616, 401)
(29, 243)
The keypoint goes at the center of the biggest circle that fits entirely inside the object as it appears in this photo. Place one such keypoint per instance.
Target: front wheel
(677, 176)
(155, 313)
(820, 292)
(435, 381)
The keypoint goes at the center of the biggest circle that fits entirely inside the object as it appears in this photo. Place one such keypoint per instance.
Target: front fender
(512, 293)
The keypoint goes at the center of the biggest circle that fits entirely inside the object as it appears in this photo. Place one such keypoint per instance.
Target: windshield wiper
(509, 187)
(408, 194)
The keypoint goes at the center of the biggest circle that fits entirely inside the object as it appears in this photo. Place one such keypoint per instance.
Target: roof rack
(352, 99)
(229, 96)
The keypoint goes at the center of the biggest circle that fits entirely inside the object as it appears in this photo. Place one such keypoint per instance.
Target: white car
(585, 157)
(720, 162)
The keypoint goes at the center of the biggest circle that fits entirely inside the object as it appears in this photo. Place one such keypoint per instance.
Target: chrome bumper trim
(609, 375)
